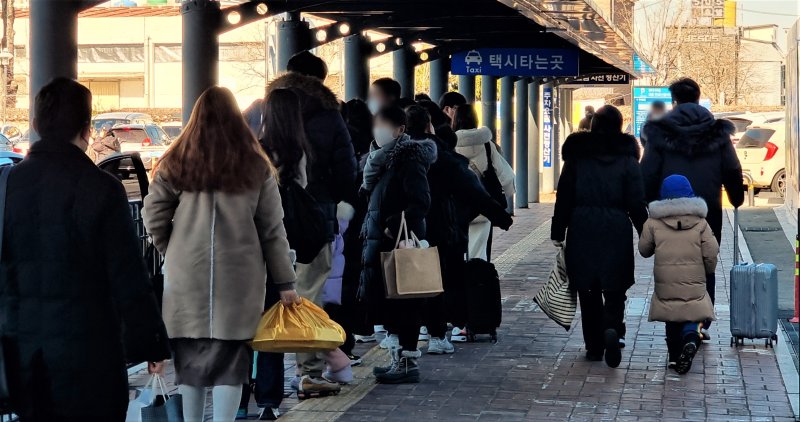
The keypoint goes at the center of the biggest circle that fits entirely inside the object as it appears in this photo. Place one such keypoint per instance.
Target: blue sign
(547, 127)
(515, 62)
(643, 99)
(641, 66)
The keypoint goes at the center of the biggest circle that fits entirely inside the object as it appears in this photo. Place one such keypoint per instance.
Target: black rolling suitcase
(484, 310)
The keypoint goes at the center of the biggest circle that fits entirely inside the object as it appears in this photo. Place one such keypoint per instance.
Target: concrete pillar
(356, 67)
(200, 50)
(466, 87)
(489, 103)
(534, 144)
(440, 69)
(547, 138)
(521, 139)
(507, 122)
(53, 45)
(294, 36)
(404, 60)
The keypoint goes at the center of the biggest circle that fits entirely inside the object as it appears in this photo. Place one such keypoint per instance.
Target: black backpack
(490, 180)
(303, 220)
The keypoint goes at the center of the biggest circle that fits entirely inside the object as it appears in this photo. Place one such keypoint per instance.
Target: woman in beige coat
(214, 211)
(685, 251)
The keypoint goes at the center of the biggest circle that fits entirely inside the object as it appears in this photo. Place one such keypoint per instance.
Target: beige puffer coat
(685, 251)
(217, 249)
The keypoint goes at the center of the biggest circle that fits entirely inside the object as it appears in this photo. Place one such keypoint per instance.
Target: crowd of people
(72, 274)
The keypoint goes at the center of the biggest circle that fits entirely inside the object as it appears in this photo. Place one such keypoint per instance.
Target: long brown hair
(284, 137)
(216, 150)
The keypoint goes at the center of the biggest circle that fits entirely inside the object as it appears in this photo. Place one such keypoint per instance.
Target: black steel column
(440, 69)
(294, 36)
(404, 60)
(201, 20)
(534, 144)
(53, 44)
(356, 67)
(521, 152)
(489, 103)
(466, 87)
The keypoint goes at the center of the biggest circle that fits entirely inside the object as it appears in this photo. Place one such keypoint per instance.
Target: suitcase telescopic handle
(736, 255)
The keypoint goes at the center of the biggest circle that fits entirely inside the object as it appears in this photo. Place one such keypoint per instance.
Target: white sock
(226, 402)
(194, 402)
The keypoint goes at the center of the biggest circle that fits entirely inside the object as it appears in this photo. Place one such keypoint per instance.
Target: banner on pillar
(547, 127)
(515, 62)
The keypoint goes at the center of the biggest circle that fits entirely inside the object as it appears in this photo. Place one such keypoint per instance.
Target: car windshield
(99, 123)
(740, 123)
(5, 144)
(130, 135)
(755, 138)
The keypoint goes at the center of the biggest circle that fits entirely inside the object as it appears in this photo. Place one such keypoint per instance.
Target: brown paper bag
(411, 272)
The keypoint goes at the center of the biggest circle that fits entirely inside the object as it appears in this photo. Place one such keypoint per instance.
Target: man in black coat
(690, 142)
(72, 280)
(331, 174)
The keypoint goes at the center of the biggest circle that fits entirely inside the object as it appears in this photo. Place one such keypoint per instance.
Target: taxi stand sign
(515, 62)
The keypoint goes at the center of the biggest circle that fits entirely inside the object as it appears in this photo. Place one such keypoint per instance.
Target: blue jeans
(680, 333)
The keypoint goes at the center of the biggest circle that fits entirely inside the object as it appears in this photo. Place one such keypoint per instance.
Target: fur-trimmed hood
(314, 93)
(423, 151)
(691, 129)
(473, 137)
(679, 213)
(594, 144)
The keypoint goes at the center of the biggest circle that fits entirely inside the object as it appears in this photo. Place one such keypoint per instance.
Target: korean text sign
(547, 127)
(515, 62)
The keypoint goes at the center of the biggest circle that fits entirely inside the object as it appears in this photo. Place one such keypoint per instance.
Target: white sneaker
(440, 346)
(423, 334)
(364, 339)
(459, 335)
(391, 342)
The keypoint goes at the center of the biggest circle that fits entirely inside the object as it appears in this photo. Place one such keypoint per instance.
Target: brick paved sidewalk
(537, 371)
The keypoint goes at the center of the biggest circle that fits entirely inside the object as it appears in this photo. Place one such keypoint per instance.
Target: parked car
(120, 118)
(11, 132)
(9, 158)
(744, 121)
(149, 140)
(6, 144)
(762, 152)
(173, 129)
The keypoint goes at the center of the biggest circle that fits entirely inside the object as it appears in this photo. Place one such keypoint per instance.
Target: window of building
(111, 53)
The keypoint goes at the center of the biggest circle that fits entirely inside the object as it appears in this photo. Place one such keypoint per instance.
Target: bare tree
(7, 43)
(658, 23)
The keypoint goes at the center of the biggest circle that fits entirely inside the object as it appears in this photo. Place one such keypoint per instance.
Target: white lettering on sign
(557, 61)
(542, 63)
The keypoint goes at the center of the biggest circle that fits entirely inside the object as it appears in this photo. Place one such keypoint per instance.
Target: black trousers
(678, 334)
(403, 317)
(601, 310)
(450, 305)
(269, 369)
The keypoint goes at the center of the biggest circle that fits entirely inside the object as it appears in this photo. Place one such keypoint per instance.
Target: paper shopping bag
(411, 272)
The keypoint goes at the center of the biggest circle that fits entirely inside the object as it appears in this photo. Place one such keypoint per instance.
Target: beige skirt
(208, 362)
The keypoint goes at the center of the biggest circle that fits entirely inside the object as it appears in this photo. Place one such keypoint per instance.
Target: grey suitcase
(754, 298)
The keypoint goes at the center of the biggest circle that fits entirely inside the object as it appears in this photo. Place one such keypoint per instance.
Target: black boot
(613, 352)
(684, 363)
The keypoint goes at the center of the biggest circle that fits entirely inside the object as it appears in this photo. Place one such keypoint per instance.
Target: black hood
(595, 144)
(690, 128)
(422, 151)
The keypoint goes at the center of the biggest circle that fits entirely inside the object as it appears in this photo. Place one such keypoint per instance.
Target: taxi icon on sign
(473, 57)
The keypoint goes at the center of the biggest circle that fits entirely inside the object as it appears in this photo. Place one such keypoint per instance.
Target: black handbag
(5, 395)
(303, 220)
(490, 180)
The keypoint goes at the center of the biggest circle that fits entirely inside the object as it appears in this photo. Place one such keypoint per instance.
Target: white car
(762, 153)
(744, 121)
(473, 57)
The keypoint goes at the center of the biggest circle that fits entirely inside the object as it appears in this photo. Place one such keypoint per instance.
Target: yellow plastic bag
(298, 328)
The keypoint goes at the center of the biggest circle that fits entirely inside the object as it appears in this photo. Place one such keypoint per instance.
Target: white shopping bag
(146, 397)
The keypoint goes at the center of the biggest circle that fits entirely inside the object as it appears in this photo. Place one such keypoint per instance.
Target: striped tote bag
(555, 298)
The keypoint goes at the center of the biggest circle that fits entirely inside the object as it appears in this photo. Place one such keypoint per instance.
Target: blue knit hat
(676, 186)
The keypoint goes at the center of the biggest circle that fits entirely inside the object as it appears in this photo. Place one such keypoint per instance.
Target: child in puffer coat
(339, 360)
(685, 251)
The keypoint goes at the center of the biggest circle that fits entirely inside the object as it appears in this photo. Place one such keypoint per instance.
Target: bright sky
(760, 12)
